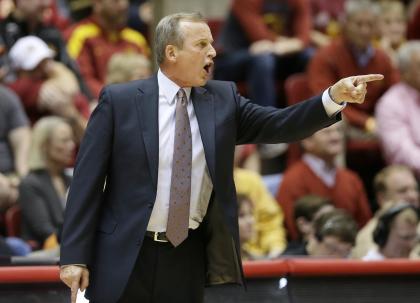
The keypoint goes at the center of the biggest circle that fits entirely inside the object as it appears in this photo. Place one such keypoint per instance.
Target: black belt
(157, 236)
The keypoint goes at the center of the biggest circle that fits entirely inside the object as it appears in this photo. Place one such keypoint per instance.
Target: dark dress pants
(164, 274)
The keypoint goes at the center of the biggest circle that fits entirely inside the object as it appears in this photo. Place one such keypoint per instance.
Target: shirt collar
(319, 167)
(169, 89)
(363, 57)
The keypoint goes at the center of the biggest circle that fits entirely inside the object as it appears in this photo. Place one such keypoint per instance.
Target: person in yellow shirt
(269, 240)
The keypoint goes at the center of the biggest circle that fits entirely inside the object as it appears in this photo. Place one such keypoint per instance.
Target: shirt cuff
(81, 265)
(330, 106)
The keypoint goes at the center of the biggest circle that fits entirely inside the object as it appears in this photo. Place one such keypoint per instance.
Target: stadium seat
(13, 221)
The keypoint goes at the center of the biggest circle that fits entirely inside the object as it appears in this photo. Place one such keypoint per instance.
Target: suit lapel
(204, 109)
(147, 102)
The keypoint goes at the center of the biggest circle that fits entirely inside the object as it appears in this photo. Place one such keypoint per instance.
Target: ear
(171, 53)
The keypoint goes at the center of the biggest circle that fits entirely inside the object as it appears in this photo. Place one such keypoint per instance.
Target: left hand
(352, 89)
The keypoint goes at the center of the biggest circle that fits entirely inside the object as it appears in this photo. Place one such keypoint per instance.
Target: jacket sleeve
(259, 124)
(86, 190)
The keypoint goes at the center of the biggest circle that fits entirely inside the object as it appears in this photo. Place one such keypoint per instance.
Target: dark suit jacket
(42, 210)
(105, 222)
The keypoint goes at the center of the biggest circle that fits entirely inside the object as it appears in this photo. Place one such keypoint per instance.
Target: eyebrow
(205, 40)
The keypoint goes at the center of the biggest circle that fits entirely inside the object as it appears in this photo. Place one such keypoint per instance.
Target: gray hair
(168, 32)
(406, 52)
(352, 7)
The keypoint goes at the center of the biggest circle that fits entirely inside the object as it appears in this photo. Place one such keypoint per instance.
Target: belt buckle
(155, 237)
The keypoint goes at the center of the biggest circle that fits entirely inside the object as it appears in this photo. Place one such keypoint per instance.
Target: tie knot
(182, 96)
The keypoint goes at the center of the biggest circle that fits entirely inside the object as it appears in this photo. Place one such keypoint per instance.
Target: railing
(282, 281)
(252, 269)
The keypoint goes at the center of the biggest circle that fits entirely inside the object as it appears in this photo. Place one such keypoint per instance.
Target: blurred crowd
(349, 191)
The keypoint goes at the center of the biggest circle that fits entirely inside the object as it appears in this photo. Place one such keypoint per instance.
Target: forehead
(195, 30)
(361, 15)
(60, 130)
(332, 240)
(400, 178)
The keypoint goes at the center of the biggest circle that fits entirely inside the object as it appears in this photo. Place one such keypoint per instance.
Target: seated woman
(246, 222)
(43, 191)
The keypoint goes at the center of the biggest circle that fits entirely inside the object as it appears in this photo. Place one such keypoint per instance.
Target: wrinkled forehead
(194, 29)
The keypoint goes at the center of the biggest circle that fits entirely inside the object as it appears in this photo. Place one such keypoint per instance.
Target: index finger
(367, 78)
(74, 289)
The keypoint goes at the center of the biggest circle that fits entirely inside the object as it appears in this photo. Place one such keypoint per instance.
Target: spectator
(317, 173)
(30, 18)
(398, 112)
(261, 41)
(46, 86)
(14, 146)
(392, 27)
(93, 40)
(270, 240)
(14, 134)
(306, 210)
(246, 222)
(43, 192)
(392, 184)
(395, 234)
(354, 54)
(124, 67)
(333, 237)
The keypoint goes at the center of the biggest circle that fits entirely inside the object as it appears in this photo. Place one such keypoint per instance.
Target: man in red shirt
(317, 173)
(92, 41)
(354, 53)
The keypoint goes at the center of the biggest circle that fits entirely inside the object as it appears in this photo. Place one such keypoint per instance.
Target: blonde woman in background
(43, 191)
(124, 67)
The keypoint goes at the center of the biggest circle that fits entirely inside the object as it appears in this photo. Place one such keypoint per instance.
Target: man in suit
(151, 217)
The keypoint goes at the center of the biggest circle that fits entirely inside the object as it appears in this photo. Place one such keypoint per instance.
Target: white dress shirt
(201, 185)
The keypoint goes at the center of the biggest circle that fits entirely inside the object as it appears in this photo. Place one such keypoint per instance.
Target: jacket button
(150, 205)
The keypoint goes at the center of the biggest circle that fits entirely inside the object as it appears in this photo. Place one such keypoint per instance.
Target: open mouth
(208, 67)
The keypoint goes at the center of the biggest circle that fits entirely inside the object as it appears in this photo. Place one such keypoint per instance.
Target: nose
(212, 52)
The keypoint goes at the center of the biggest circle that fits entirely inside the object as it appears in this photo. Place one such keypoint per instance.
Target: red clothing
(28, 89)
(326, 15)
(267, 19)
(336, 61)
(348, 193)
(92, 47)
(413, 30)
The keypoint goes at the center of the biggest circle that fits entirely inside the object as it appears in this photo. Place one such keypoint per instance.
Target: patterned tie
(179, 203)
